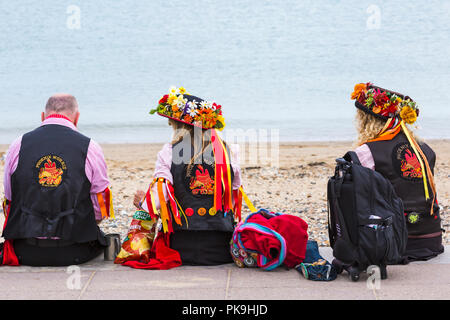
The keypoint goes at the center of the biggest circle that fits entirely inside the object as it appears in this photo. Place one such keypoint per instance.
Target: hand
(138, 196)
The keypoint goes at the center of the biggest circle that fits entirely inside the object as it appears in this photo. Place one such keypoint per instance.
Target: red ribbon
(222, 192)
(9, 256)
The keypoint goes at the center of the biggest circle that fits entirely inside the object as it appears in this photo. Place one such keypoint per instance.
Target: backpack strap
(351, 156)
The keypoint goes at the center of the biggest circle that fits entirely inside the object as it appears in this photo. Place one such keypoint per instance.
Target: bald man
(56, 192)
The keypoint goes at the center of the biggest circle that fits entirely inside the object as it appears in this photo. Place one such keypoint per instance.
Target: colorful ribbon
(9, 255)
(105, 202)
(166, 212)
(223, 195)
(391, 129)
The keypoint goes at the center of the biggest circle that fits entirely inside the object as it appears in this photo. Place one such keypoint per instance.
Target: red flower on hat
(392, 109)
(164, 99)
(380, 98)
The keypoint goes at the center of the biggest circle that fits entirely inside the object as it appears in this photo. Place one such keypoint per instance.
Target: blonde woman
(387, 145)
(197, 181)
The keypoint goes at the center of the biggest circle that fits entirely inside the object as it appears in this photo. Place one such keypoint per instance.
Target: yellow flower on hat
(221, 119)
(181, 90)
(171, 99)
(408, 114)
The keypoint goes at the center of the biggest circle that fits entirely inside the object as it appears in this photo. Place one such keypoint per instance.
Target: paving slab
(43, 285)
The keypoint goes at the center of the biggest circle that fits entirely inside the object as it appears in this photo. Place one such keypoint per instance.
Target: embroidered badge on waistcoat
(406, 162)
(202, 182)
(51, 169)
(413, 217)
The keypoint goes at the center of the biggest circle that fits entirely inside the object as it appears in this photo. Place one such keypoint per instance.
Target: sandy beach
(296, 184)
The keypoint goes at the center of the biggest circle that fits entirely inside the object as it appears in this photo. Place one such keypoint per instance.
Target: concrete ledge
(104, 280)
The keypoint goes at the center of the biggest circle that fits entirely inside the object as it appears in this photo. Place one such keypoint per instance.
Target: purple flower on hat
(186, 108)
(191, 107)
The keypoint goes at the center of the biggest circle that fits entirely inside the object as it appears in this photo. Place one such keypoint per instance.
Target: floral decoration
(385, 103)
(176, 105)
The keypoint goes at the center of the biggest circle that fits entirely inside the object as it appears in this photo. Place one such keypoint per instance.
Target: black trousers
(32, 252)
(202, 247)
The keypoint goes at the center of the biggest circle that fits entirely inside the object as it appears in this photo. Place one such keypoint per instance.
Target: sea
(284, 67)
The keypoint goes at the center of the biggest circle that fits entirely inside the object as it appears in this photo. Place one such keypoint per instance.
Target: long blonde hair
(367, 126)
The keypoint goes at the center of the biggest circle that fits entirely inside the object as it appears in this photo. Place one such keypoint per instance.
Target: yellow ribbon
(413, 145)
(247, 201)
(111, 207)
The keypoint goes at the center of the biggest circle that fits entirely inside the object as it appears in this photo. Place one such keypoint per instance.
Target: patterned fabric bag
(268, 240)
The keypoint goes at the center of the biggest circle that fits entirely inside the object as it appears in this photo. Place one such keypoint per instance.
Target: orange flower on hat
(177, 114)
(376, 109)
(359, 89)
(188, 118)
(208, 118)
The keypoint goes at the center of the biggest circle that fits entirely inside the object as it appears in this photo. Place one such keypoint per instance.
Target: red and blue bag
(268, 240)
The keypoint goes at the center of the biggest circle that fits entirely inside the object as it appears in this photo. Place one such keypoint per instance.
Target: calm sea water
(285, 65)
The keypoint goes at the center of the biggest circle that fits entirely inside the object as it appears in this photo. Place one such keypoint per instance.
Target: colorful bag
(139, 240)
(267, 240)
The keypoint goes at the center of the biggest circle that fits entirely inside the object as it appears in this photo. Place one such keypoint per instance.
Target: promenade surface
(104, 280)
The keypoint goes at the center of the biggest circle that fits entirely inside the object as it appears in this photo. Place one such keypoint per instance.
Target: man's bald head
(64, 104)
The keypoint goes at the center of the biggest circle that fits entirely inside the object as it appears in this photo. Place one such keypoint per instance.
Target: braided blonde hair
(185, 131)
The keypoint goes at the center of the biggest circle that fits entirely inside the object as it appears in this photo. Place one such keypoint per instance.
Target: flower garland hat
(180, 106)
(396, 109)
(384, 104)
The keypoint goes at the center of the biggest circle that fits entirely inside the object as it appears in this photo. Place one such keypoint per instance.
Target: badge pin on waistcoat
(189, 212)
(201, 211)
(413, 217)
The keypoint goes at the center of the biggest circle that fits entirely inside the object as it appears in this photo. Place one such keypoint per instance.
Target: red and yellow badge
(51, 170)
(202, 183)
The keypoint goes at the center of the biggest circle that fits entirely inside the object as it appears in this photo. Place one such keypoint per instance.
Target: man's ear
(43, 116)
(77, 117)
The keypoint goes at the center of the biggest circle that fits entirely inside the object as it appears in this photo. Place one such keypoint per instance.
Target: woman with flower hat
(196, 186)
(387, 145)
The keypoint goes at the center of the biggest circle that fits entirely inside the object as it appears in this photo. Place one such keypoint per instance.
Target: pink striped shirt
(95, 168)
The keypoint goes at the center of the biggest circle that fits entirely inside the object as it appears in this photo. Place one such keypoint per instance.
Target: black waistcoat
(395, 160)
(50, 190)
(194, 189)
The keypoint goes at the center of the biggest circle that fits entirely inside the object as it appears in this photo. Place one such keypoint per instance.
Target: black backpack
(366, 221)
